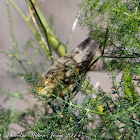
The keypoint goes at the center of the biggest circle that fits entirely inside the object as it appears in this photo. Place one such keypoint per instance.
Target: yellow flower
(100, 108)
(93, 100)
(77, 70)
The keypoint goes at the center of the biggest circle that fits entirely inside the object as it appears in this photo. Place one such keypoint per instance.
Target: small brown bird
(61, 76)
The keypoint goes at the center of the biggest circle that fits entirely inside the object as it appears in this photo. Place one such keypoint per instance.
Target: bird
(61, 77)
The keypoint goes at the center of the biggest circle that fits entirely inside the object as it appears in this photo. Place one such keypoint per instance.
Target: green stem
(16, 97)
(106, 37)
(43, 46)
(45, 32)
(21, 63)
(54, 41)
(11, 27)
(59, 47)
(127, 56)
(14, 41)
(122, 113)
(7, 53)
(23, 16)
(17, 58)
(71, 104)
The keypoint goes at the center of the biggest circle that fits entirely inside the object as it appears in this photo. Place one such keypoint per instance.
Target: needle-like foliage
(114, 25)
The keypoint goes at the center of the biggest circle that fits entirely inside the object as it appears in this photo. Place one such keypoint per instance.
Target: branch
(127, 56)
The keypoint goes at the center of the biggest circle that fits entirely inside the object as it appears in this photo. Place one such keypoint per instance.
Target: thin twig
(127, 56)
(11, 27)
(45, 32)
